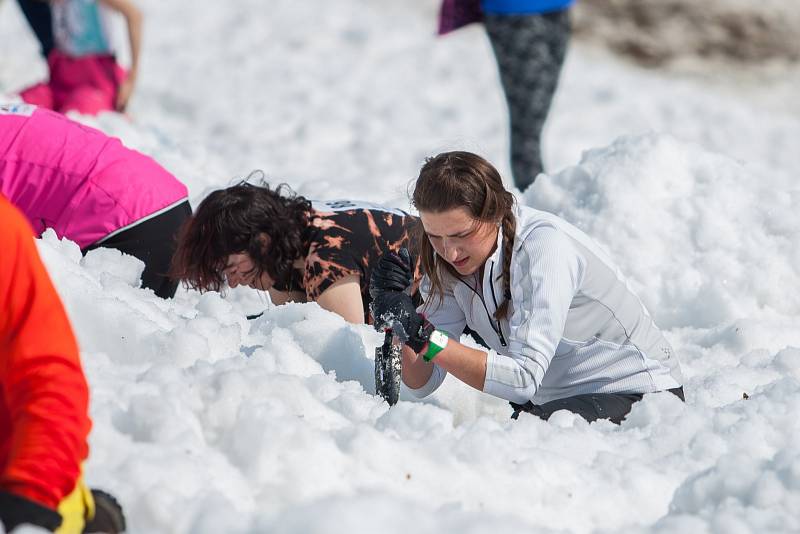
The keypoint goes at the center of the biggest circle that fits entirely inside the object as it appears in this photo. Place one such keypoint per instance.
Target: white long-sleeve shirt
(573, 326)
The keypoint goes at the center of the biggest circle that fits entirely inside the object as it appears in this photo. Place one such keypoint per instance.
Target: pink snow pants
(85, 84)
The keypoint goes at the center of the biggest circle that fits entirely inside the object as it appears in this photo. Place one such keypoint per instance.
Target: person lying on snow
(296, 249)
(43, 400)
(91, 189)
(564, 329)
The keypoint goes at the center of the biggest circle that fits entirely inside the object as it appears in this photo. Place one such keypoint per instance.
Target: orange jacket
(44, 397)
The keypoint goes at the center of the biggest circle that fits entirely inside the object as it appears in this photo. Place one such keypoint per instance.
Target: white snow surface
(205, 422)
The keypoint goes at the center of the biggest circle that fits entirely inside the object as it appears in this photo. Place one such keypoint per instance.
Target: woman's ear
(264, 241)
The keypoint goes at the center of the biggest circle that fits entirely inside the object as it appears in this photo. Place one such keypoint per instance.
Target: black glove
(108, 515)
(393, 272)
(395, 311)
(16, 510)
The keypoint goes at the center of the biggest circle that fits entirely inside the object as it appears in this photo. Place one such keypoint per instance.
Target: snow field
(207, 422)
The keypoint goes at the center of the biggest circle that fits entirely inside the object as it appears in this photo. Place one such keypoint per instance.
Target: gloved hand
(395, 311)
(16, 510)
(392, 308)
(393, 272)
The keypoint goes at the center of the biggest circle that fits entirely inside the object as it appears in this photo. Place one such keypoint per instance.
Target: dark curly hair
(265, 223)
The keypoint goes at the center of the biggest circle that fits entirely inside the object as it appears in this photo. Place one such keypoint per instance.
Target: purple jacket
(457, 13)
(77, 180)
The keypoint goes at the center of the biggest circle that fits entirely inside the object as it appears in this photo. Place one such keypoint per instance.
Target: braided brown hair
(454, 180)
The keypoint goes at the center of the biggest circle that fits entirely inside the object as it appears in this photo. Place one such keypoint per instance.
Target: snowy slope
(205, 422)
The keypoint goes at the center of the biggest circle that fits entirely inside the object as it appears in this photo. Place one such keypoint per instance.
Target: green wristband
(436, 344)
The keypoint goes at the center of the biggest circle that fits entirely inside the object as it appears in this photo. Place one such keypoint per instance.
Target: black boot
(108, 516)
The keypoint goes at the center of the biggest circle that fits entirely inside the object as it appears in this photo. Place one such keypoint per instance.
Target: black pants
(594, 406)
(530, 50)
(40, 19)
(152, 241)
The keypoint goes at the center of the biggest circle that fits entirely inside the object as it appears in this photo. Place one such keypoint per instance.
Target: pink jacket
(75, 179)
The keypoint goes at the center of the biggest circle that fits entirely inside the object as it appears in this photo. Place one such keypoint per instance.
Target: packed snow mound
(691, 228)
(207, 422)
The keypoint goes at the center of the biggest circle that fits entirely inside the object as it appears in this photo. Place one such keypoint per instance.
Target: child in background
(84, 73)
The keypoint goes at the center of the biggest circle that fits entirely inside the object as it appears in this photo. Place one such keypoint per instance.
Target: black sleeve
(16, 510)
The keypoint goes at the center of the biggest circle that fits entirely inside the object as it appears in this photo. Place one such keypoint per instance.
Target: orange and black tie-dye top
(348, 238)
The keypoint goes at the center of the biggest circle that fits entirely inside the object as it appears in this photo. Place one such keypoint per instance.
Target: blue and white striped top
(81, 27)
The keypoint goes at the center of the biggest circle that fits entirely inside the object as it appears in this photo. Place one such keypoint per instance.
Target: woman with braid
(565, 331)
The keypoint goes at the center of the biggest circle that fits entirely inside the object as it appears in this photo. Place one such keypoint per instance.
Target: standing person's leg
(40, 20)
(530, 50)
(153, 241)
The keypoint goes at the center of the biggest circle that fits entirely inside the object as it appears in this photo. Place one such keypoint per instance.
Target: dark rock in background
(661, 32)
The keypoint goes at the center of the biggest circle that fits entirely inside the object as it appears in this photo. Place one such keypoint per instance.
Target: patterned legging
(530, 50)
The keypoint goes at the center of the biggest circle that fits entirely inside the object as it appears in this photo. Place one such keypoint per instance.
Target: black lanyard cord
(494, 323)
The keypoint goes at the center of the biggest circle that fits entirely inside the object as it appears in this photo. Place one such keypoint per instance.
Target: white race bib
(346, 205)
(25, 110)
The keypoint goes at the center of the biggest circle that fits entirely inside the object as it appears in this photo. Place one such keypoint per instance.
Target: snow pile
(271, 424)
(207, 422)
(693, 227)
